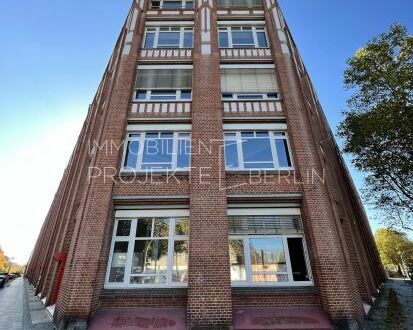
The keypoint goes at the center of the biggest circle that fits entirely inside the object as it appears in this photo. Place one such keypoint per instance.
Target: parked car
(3, 279)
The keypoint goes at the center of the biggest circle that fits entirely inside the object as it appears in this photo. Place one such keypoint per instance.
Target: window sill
(250, 100)
(303, 290)
(124, 173)
(161, 101)
(167, 48)
(244, 47)
(260, 171)
(173, 9)
(154, 291)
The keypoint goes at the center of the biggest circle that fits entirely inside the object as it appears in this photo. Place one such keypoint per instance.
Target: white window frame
(235, 96)
(173, 92)
(183, 4)
(158, 29)
(271, 129)
(149, 91)
(142, 130)
(253, 28)
(133, 215)
(245, 240)
(259, 97)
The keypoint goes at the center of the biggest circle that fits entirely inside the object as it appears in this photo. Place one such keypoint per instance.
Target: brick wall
(343, 256)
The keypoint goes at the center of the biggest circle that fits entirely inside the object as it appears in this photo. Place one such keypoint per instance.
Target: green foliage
(391, 245)
(6, 265)
(4, 262)
(378, 126)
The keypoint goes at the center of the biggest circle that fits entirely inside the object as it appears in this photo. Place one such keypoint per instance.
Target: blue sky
(53, 54)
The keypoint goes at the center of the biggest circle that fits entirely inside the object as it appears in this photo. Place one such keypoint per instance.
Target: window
(242, 37)
(254, 83)
(256, 150)
(168, 37)
(157, 151)
(163, 83)
(239, 3)
(149, 249)
(169, 4)
(267, 249)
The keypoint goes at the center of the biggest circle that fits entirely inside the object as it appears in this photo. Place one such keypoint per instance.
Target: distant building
(206, 189)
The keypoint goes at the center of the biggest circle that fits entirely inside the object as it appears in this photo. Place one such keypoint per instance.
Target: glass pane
(186, 95)
(256, 150)
(189, 4)
(262, 40)
(188, 39)
(244, 38)
(163, 97)
(182, 226)
(150, 257)
(223, 39)
(161, 228)
(180, 267)
(123, 228)
(141, 95)
(261, 134)
(149, 40)
(157, 151)
(132, 154)
(269, 277)
(117, 267)
(267, 257)
(172, 4)
(247, 134)
(298, 264)
(148, 279)
(231, 154)
(272, 96)
(282, 153)
(144, 228)
(184, 152)
(155, 4)
(249, 97)
(168, 39)
(236, 250)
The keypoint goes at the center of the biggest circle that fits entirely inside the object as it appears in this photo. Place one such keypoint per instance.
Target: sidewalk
(379, 317)
(11, 302)
(36, 316)
(21, 309)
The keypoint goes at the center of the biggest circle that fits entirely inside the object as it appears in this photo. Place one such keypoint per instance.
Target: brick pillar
(77, 297)
(209, 286)
(338, 292)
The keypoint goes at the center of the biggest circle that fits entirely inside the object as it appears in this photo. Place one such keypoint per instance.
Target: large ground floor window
(149, 249)
(267, 249)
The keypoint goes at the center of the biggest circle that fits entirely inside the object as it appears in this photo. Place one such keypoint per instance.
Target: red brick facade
(345, 265)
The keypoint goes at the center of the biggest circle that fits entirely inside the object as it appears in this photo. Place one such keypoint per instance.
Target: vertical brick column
(77, 298)
(338, 292)
(209, 287)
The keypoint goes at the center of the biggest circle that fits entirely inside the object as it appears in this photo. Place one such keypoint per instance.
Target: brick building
(206, 189)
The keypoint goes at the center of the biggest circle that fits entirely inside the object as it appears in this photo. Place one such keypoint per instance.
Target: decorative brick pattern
(344, 260)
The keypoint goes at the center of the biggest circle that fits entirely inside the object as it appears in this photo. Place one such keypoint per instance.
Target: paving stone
(40, 316)
(35, 305)
(33, 298)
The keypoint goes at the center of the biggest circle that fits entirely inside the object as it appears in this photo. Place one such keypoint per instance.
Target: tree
(4, 261)
(378, 126)
(391, 245)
